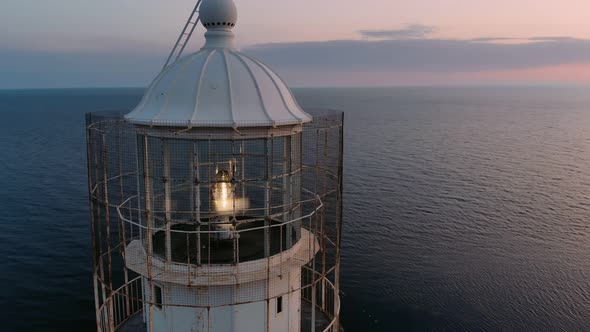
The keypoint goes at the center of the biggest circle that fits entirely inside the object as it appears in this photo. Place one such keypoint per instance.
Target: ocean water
(466, 209)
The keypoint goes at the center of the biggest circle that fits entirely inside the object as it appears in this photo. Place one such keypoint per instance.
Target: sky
(120, 43)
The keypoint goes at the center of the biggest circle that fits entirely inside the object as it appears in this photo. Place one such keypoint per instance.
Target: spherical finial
(218, 14)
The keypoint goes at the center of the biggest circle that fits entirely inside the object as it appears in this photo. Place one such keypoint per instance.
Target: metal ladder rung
(185, 35)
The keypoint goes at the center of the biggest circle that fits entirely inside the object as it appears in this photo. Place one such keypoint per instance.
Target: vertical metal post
(210, 181)
(108, 229)
(197, 188)
(232, 170)
(339, 222)
(98, 223)
(188, 257)
(148, 218)
(91, 177)
(299, 184)
(122, 224)
(267, 188)
(267, 220)
(167, 197)
(243, 155)
(192, 177)
(138, 180)
(314, 231)
(287, 183)
(323, 219)
(96, 304)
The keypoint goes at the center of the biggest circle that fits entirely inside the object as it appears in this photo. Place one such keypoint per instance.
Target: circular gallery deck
(138, 260)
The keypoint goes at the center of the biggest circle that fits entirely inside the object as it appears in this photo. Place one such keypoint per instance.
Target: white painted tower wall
(246, 317)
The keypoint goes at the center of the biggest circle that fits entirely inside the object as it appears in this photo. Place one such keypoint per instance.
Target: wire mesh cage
(222, 229)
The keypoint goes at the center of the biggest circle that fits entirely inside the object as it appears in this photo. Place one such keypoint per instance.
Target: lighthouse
(216, 203)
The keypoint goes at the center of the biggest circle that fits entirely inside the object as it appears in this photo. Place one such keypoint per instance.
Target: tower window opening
(158, 297)
(279, 304)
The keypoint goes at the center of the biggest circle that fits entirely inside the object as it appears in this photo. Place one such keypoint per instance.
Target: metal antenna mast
(185, 36)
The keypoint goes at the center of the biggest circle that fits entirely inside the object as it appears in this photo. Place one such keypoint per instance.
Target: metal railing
(322, 295)
(128, 301)
(276, 235)
(120, 306)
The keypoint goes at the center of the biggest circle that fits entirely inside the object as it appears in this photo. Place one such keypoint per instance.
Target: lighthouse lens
(223, 193)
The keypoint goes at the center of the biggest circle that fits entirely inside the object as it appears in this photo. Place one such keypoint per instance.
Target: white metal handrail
(128, 301)
(155, 229)
(123, 303)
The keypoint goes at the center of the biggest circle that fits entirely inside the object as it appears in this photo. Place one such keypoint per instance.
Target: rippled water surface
(466, 208)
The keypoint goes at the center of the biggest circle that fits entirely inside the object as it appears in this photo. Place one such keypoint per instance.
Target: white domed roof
(218, 86)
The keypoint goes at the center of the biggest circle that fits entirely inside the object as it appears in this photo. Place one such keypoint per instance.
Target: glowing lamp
(223, 193)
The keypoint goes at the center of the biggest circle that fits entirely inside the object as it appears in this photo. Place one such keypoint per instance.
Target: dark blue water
(466, 208)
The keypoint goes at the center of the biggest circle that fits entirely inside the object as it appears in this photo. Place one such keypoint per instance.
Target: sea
(466, 208)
